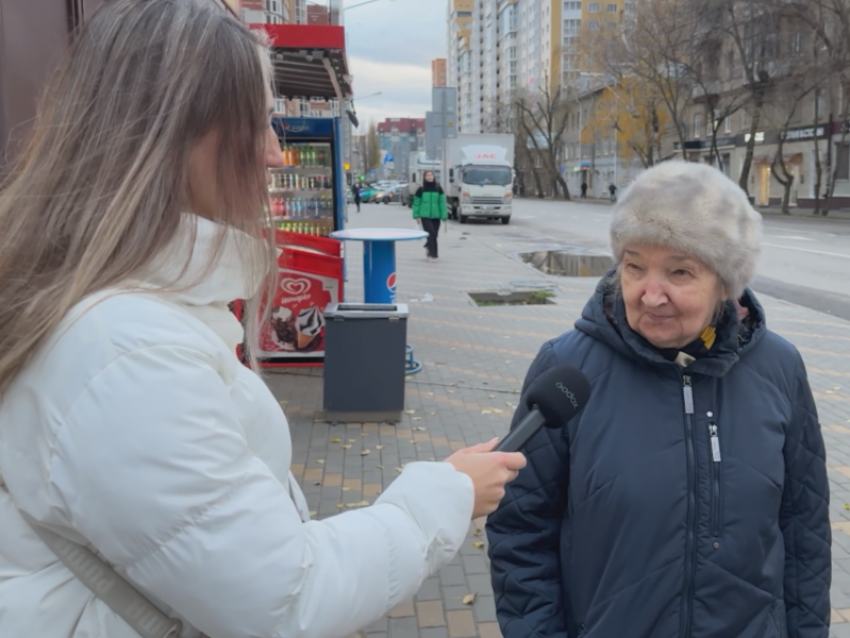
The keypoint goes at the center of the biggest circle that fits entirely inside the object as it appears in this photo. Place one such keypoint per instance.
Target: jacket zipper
(690, 543)
(714, 437)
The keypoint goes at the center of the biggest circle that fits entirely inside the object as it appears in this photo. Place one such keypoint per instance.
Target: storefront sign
(808, 133)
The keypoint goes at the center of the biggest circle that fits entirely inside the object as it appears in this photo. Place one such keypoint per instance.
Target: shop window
(842, 161)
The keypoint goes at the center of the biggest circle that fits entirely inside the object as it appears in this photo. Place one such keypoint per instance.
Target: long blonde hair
(99, 191)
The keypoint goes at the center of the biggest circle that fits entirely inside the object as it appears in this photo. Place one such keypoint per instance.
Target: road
(804, 261)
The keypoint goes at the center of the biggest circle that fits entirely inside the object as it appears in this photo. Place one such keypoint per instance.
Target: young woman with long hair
(137, 212)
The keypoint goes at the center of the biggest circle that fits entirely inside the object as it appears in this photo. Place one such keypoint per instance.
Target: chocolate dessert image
(283, 324)
(309, 326)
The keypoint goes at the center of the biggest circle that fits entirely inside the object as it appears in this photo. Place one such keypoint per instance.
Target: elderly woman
(689, 498)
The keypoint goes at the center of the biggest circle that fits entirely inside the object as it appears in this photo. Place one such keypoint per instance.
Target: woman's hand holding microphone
(489, 471)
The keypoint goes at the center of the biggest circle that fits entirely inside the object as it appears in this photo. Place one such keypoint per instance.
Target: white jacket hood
(136, 430)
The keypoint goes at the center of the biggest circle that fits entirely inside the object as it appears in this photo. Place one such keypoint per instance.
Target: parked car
(395, 194)
(367, 193)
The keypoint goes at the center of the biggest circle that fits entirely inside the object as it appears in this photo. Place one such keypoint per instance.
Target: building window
(727, 125)
(593, 7)
(697, 125)
(613, 8)
(593, 25)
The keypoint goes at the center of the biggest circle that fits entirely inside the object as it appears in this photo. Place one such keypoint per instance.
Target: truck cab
(481, 186)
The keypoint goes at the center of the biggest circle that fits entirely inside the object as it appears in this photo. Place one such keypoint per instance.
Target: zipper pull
(689, 394)
(715, 442)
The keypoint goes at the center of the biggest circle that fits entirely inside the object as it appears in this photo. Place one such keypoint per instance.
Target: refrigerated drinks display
(302, 192)
(307, 200)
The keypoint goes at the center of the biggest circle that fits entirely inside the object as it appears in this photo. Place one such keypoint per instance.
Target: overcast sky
(390, 47)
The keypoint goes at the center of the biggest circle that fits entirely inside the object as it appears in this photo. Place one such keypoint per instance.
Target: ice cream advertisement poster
(297, 323)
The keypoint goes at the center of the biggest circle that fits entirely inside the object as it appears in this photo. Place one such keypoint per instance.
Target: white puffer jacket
(137, 431)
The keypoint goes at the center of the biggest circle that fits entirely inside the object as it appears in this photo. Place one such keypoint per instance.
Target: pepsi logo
(295, 286)
(391, 282)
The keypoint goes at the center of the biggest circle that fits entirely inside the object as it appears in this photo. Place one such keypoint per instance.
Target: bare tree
(544, 117)
(655, 46)
(373, 147)
(829, 20)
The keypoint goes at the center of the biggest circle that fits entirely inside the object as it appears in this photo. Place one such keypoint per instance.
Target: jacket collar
(604, 318)
(182, 274)
(184, 268)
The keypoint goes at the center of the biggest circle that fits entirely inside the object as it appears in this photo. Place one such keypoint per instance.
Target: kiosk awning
(309, 60)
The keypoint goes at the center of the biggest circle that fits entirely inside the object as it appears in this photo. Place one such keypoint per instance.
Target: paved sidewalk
(475, 359)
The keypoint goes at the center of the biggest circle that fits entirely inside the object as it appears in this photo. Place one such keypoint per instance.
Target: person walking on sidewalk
(135, 215)
(690, 496)
(429, 208)
(584, 190)
(355, 193)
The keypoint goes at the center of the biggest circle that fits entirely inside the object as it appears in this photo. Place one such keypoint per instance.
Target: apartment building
(500, 47)
(438, 72)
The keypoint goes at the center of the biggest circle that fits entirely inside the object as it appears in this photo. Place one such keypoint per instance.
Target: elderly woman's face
(670, 298)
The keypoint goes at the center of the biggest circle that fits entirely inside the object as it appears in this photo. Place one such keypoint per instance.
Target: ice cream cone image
(308, 325)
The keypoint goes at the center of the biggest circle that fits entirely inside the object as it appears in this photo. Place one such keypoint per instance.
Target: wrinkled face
(429, 176)
(670, 298)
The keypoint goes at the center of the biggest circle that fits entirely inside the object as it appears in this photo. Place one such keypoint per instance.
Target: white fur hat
(694, 208)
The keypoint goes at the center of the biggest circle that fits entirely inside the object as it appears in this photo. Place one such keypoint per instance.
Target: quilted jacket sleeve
(804, 520)
(152, 467)
(524, 533)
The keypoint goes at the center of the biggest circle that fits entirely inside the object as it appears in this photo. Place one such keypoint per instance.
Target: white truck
(418, 164)
(480, 171)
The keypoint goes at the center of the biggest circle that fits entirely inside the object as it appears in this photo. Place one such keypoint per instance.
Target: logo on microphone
(570, 396)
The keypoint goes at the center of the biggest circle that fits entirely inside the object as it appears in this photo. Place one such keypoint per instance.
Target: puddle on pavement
(569, 262)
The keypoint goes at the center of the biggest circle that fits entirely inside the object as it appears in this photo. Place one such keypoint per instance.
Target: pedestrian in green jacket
(429, 208)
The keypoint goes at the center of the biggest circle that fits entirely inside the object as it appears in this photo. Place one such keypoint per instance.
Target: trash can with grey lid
(364, 370)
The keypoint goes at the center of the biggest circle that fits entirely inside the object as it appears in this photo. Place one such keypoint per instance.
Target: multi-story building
(500, 47)
(438, 72)
(318, 14)
(400, 137)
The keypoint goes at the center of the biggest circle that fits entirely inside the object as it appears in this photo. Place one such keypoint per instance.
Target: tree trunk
(786, 196)
(744, 182)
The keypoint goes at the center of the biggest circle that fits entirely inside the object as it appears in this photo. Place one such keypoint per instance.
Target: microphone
(554, 398)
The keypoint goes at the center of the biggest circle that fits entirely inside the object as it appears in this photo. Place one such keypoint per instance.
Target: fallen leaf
(847, 506)
(478, 544)
(365, 452)
(433, 414)
(491, 396)
(320, 461)
(336, 440)
(340, 505)
(317, 483)
(410, 411)
(379, 447)
(419, 428)
(380, 467)
(486, 412)
(346, 489)
(364, 434)
(416, 418)
(311, 513)
(351, 440)
(477, 532)
(498, 411)
(468, 599)
(399, 469)
(360, 504)
(284, 402)
(347, 446)
(451, 391)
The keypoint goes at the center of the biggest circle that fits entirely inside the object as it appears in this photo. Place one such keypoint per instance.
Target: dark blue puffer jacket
(626, 524)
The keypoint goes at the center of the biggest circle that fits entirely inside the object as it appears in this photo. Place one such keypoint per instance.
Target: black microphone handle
(522, 433)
